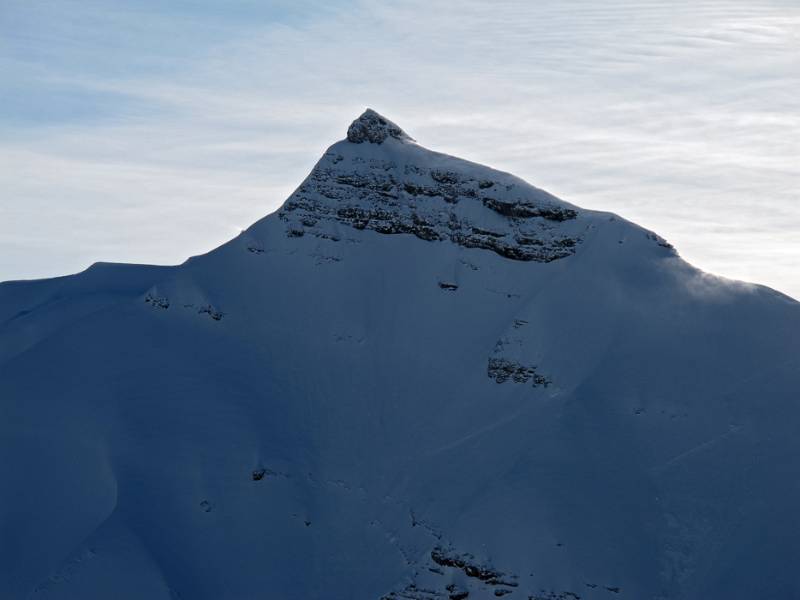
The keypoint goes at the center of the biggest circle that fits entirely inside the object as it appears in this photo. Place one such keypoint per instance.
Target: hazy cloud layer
(146, 134)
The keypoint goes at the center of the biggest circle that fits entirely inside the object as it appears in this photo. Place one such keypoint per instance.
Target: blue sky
(150, 131)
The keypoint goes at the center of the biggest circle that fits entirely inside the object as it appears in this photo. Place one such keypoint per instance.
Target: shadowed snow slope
(420, 378)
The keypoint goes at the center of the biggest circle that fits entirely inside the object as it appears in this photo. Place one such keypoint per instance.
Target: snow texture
(421, 378)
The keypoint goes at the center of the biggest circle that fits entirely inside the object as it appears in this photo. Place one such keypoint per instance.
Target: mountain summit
(422, 379)
(374, 128)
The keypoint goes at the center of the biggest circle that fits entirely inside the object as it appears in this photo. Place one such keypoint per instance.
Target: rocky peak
(374, 128)
(435, 197)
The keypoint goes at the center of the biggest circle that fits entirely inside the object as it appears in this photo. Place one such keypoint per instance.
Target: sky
(152, 131)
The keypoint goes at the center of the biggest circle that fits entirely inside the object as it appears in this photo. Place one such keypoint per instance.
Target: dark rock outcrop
(471, 568)
(157, 301)
(502, 369)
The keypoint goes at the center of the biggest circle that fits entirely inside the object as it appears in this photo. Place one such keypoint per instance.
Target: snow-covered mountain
(421, 378)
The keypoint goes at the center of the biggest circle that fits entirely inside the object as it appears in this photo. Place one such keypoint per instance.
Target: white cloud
(682, 116)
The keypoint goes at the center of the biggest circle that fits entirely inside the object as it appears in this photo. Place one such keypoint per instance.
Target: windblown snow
(420, 379)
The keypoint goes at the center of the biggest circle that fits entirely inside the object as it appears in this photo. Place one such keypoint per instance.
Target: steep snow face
(422, 379)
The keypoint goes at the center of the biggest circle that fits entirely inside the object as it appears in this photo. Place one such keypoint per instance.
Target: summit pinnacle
(374, 128)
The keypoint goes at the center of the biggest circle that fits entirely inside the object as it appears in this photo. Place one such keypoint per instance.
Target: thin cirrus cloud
(152, 134)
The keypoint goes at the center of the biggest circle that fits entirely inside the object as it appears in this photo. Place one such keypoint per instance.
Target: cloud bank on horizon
(150, 132)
